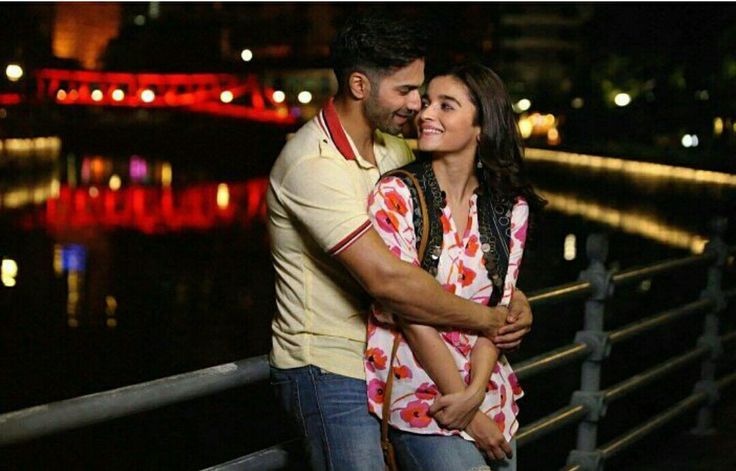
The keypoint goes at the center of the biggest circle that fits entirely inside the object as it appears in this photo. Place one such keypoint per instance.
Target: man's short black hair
(376, 42)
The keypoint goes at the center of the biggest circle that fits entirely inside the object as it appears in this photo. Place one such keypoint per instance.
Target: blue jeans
(331, 414)
(416, 452)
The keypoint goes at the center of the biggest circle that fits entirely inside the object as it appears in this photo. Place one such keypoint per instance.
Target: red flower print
(445, 224)
(376, 388)
(449, 287)
(514, 381)
(371, 199)
(387, 221)
(416, 414)
(375, 359)
(395, 202)
(467, 276)
(427, 391)
(472, 246)
(500, 420)
(403, 371)
(396, 251)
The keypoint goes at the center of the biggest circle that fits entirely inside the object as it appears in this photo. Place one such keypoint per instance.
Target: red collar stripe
(335, 130)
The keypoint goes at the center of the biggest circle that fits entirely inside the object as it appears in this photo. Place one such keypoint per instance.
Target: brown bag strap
(388, 451)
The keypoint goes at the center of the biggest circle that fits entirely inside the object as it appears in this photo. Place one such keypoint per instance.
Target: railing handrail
(37, 421)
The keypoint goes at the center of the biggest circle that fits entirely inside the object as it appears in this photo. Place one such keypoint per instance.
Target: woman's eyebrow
(451, 98)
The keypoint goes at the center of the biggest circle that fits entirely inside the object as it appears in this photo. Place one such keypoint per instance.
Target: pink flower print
(449, 287)
(387, 221)
(520, 234)
(427, 391)
(395, 202)
(375, 359)
(514, 408)
(376, 389)
(403, 371)
(492, 386)
(514, 382)
(396, 251)
(466, 373)
(371, 199)
(416, 414)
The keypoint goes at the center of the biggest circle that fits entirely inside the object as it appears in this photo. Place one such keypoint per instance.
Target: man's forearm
(411, 292)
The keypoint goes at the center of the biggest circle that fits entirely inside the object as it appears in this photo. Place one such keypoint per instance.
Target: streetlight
(304, 97)
(622, 99)
(14, 72)
(246, 55)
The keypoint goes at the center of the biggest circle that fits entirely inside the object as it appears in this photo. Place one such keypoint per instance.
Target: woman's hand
(519, 323)
(488, 437)
(455, 411)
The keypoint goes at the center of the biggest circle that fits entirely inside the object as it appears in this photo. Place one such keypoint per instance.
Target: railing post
(710, 338)
(586, 455)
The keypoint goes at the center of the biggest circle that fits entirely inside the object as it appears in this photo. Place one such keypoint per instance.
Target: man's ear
(359, 85)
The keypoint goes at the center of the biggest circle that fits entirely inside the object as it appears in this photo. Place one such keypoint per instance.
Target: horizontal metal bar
(642, 379)
(572, 467)
(726, 381)
(638, 273)
(38, 421)
(272, 458)
(638, 327)
(627, 439)
(551, 359)
(550, 423)
(729, 337)
(575, 289)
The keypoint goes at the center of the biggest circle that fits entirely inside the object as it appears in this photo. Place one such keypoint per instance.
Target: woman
(474, 182)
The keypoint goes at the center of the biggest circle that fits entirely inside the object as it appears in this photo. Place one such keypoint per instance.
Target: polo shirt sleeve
(321, 194)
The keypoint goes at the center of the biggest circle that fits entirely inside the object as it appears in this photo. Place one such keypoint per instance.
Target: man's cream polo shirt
(317, 196)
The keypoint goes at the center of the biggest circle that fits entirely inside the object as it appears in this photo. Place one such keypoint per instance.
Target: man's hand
(518, 323)
(455, 411)
(488, 437)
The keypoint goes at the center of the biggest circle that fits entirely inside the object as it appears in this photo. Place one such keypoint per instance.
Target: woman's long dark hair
(500, 148)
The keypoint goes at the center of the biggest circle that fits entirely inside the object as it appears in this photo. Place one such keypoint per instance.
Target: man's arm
(412, 292)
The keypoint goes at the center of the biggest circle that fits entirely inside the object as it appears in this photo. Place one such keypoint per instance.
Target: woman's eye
(447, 107)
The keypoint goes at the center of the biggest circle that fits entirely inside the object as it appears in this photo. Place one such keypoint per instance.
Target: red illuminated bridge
(203, 93)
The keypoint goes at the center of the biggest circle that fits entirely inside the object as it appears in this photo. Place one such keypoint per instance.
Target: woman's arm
(457, 407)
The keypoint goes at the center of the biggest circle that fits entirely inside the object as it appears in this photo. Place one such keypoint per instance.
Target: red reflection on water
(156, 210)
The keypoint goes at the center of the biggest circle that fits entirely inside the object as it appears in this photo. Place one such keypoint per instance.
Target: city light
(304, 97)
(577, 103)
(526, 127)
(94, 192)
(139, 20)
(553, 137)
(718, 126)
(279, 96)
(61, 95)
(73, 95)
(689, 140)
(115, 182)
(118, 95)
(569, 250)
(522, 105)
(622, 99)
(226, 96)
(8, 272)
(96, 95)
(14, 72)
(223, 196)
(246, 55)
(148, 96)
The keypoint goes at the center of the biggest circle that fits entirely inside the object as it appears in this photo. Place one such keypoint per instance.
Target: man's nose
(415, 101)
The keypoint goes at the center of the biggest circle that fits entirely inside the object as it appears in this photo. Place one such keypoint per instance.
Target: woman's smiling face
(446, 122)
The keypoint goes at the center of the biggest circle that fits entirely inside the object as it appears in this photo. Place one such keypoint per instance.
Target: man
(330, 263)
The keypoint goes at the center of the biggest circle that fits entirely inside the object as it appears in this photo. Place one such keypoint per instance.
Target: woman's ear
(359, 85)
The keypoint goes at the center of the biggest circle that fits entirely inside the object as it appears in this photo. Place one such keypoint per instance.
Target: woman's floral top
(460, 271)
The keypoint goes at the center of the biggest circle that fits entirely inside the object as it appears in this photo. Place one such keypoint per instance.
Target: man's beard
(381, 117)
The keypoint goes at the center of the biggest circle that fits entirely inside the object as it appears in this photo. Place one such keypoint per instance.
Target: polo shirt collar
(329, 121)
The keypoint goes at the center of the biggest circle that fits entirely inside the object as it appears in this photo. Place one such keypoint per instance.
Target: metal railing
(587, 408)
